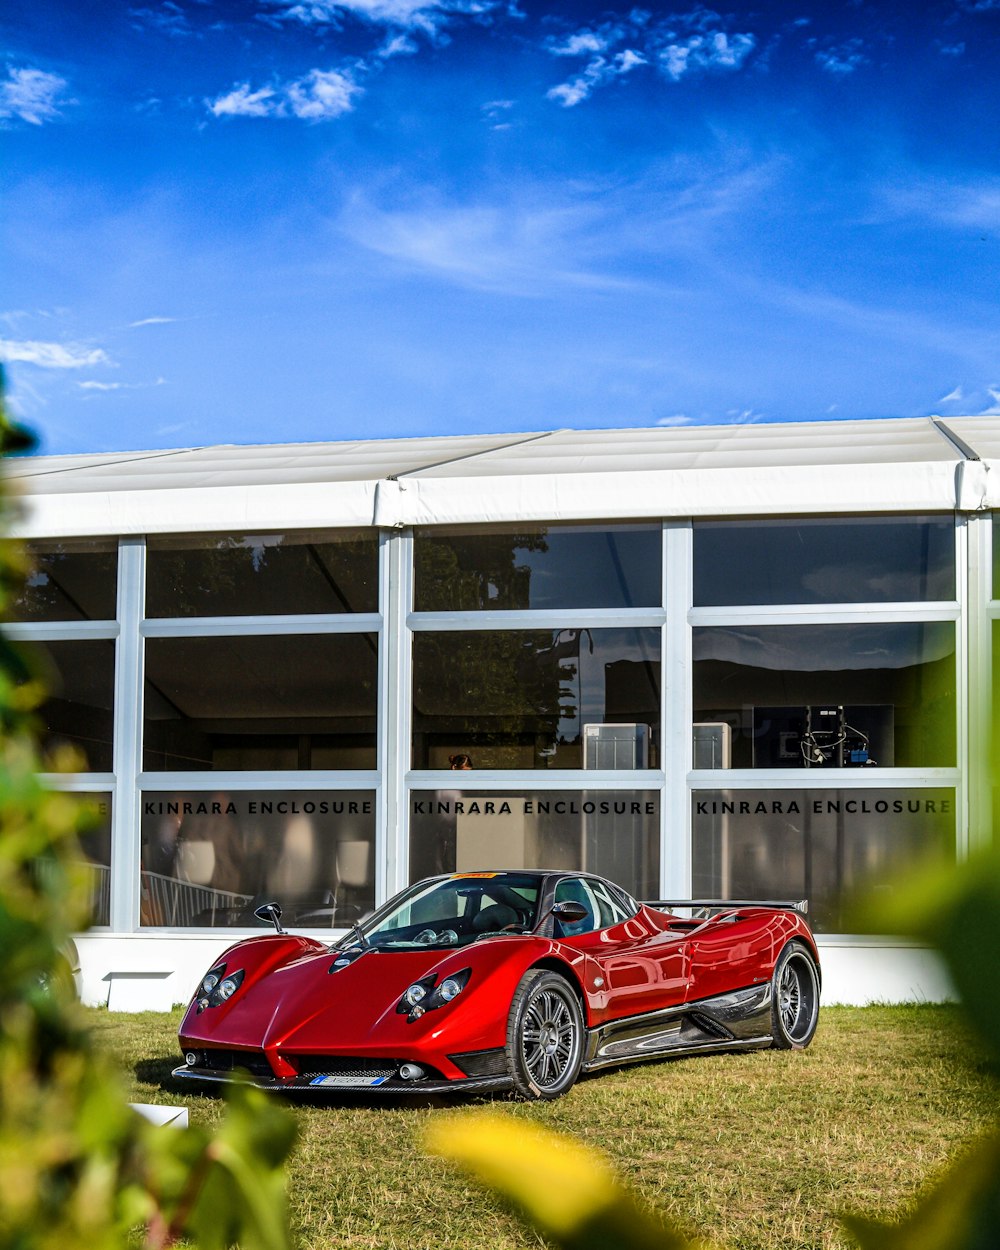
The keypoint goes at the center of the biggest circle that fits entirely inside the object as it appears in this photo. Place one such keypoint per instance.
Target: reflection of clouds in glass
(816, 648)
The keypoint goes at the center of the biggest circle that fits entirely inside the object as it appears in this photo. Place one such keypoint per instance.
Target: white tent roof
(900, 465)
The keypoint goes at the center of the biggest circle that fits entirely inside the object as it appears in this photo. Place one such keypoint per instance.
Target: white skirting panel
(858, 971)
(146, 973)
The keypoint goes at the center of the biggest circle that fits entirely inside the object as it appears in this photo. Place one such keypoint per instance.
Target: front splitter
(330, 1085)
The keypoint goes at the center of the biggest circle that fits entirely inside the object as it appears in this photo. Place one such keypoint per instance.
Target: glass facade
(824, 560)
(613, 833)
(524, 698)
(269, 702)
(313, 760)
(80, 677)
(822, 696)
(209, 859)
(69, 580)
(830, 847)
(262, 574)
(505, 567)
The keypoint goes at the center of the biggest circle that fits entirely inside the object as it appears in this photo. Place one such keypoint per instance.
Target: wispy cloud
(599, 70)
(167, 17)
(842, 59)
(427, 16)
(678, 46)
(52, 355)
(151, 321)
(320, 95)
(969, 205)
(953, 397)
(679, 418)
(120, 386)
(518, 249)
(32, 95)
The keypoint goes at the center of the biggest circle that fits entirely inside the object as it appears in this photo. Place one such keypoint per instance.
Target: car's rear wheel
(794, 998)
(544, 1035)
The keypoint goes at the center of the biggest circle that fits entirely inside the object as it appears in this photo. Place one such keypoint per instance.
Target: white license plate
(348, 1081)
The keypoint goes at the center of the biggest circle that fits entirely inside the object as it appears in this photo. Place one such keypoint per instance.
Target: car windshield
(456, 911)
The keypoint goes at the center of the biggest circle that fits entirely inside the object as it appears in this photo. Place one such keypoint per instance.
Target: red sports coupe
(491, 980)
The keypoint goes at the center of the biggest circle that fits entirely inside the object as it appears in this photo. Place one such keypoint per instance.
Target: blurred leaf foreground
(79, 1169)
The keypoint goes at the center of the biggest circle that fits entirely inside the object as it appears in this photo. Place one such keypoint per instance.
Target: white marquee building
(733, 661)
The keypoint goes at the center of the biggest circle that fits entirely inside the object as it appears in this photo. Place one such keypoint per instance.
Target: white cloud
(679, 418)
(52, 355)
(32, 95)
(320, 95)
(428, 16)
(120, 386)
(242, 102)
(952, 397)
(152, 321)
(584, 43)
(843, 59)
(397, 45)
(713, 51)
(598, 71)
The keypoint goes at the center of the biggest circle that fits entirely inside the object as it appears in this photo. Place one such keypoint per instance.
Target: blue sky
(295, 220)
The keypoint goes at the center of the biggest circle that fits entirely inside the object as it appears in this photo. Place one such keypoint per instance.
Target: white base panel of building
(154, 974)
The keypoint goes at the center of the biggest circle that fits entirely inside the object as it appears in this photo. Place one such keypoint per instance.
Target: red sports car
(492, 980)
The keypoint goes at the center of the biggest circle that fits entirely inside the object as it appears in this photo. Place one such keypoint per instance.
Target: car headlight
(213, 979)
(423, 995)
(450, 988)
(217, 987)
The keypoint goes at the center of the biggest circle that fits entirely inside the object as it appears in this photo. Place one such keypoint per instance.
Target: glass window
(80, 677)
(555, 566)
(210, 859)
(615, 834)
(261, 702)
(70, 580)
(846, 560)
(825, 696)
(821, 845)
(262, 574)
(92, 856)
(533, 698)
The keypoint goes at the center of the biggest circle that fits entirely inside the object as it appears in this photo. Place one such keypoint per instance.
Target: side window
(573, 889)
(611, 908)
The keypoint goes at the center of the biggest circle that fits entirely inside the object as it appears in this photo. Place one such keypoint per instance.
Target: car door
(643, 970)
(732, 952)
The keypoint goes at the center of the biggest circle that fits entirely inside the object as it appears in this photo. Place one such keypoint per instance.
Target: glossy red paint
(294, 1004)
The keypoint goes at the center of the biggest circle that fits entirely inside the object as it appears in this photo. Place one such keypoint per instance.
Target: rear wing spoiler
(726, 904)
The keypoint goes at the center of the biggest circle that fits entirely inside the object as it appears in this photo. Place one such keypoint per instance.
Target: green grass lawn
(746, 1150)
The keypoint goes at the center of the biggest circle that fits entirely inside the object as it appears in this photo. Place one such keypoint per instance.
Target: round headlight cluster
(423, 995)
(216, 987)
(415, 994)
(450, 988)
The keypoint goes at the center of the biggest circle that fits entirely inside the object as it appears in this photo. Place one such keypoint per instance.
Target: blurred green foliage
(79, 1168)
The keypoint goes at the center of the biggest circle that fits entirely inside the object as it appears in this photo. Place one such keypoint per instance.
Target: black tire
(544, 1036)
(794, 998)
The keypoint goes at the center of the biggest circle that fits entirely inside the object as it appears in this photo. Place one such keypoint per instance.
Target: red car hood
(305, 1007)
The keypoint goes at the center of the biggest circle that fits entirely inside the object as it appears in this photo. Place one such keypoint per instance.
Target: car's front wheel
(544, 1035)
(794, 998)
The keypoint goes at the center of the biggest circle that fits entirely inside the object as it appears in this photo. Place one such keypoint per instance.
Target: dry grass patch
(751, 1151)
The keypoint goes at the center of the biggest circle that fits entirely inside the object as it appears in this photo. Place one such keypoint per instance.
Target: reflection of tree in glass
(503, 693)
(246, 574)
(475, 572)
(68, 582)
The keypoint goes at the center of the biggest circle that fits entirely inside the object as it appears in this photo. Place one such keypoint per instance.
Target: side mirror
(271, 914)
(571, 911)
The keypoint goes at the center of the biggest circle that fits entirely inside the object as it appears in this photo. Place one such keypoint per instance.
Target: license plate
(349, 1081)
